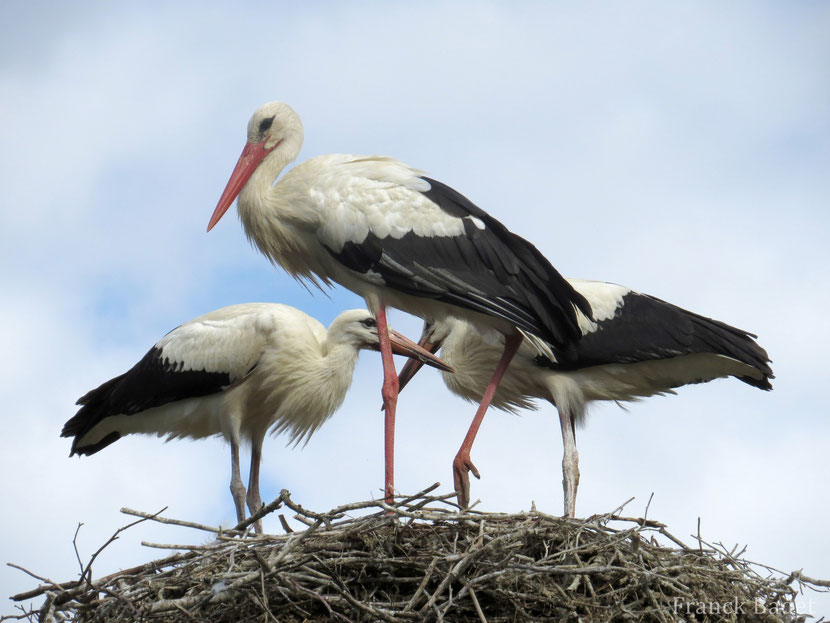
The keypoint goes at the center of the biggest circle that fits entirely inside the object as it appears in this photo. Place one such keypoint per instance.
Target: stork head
(359, 328)
(274, 127)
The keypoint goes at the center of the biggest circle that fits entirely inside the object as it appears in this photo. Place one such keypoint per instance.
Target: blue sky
(679, 149)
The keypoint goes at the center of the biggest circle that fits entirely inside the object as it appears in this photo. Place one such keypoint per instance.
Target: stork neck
(273, 216)
(259, 193)
(336, 367)
(338, 353)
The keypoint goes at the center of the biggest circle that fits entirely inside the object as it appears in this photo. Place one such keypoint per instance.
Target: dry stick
(26, 614)
(172, 522)
(476, 605)
(208, 547)
(650, 523)
(42, 579)
(265, 510)
(72, 587)
(336, 513)
(648, 504)
(86, 572)
(263, 601)
(305, 520)
(797, 575)
(419, 495)
(184, 612)
(317, 597)
(674, 539)
(422, 587)
(459, 568)
(130, 604)
(75, 547)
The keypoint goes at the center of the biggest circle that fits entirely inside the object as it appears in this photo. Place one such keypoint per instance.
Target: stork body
(635, 347)
(398, 238)
(235, 372)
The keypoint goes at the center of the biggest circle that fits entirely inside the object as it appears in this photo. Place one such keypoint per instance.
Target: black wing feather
(645, 328)
(152, 382)
(492, 271)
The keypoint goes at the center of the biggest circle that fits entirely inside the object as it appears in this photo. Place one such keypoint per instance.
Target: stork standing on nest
(237, 372)
(398, 238)
(636, 346)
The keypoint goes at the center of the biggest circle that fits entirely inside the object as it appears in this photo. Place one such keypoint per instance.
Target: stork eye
(265, 124)
(369, 323)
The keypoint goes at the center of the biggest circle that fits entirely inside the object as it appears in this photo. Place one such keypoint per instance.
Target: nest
(424, 559)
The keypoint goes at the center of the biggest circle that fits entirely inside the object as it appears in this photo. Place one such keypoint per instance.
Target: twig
(797, 575)
(173, 522)
(37, 577)
(262, 512)
(77, 555)
(201, 548)
(477, 605)
(87, 571)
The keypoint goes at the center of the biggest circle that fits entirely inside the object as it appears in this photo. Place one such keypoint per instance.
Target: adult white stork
(398, 238)
(237, 372)
(636, 346)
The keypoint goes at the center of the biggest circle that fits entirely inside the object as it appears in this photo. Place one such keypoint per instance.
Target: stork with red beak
(398, 238)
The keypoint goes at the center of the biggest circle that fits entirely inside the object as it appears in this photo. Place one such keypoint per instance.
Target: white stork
(237, 372)
(398, 238)
(636, 346)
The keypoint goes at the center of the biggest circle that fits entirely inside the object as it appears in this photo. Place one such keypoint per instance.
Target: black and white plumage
(237, 372)
(398, 238)
(636, 346)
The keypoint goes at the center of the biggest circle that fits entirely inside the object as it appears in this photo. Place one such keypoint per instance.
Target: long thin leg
(389, 393)
(237, 488)
(254, 500)
(462, 463)
(570, 462)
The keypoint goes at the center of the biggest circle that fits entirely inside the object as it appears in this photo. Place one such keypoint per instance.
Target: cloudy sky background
(681, 150)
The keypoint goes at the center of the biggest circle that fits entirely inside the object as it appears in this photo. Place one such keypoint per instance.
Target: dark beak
(417, 353)
(412, 366)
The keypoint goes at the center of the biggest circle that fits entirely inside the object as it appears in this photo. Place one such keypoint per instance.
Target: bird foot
(461, 467)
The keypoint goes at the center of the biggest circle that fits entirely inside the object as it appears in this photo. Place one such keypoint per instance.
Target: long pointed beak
(418, 356)
(252, 156)
(411, 367)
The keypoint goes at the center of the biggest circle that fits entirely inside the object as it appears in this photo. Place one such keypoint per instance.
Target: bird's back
(388, 230)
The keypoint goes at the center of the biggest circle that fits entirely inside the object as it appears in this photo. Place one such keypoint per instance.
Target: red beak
(411, 367)
(418, 355)
(252, 156)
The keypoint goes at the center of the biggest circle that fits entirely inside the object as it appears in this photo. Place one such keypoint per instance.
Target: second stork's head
(358, 328)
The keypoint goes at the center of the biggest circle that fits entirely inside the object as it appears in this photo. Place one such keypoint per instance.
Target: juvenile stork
(237, 372)
(397, 238)
(636, 346)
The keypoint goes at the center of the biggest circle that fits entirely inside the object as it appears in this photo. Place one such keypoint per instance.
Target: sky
(680, 149)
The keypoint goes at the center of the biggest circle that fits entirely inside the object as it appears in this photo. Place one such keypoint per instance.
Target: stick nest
(422, 559)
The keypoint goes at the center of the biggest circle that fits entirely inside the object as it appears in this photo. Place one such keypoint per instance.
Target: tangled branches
(422, 559)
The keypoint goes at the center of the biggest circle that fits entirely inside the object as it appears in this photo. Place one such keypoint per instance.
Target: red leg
(462, 463)
(389, 393)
